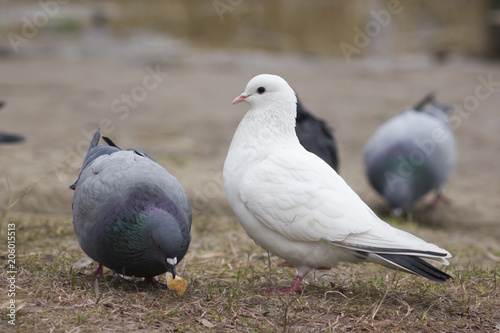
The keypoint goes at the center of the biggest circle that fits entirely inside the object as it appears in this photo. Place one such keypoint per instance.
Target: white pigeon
(293, 204)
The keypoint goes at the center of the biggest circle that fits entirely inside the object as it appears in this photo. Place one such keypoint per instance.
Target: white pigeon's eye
(261, 90)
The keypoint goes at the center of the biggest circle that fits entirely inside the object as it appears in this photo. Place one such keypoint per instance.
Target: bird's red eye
(158, 246)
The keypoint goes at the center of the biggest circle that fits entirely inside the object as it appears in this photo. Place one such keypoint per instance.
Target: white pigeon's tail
(411, 264)
(406, 260)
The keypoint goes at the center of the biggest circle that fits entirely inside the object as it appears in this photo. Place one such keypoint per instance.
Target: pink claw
(440, 197)
(99, 271)
(294, 288)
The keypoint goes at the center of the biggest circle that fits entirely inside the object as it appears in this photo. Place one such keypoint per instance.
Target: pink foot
(294, 288)
(440, 197)
(99, 271)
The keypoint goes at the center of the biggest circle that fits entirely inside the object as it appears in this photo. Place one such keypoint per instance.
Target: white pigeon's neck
(268, 127)
(261, 132)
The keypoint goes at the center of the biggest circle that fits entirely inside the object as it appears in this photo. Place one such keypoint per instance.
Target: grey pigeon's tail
(93, 142)
(416, 266)
(429, 98)
(2, 103)
(95, 150)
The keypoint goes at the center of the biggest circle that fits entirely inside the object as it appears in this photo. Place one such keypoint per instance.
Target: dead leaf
(82, 262)
(206, 323)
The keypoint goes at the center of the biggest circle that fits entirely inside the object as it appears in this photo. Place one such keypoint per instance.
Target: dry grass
(227, 276)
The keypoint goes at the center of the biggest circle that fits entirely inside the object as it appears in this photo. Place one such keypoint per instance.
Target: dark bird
(412, 154)
(9, 138)
(316, 136)
(129, 213)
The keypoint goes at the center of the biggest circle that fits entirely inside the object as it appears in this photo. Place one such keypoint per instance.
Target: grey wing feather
(141, 152)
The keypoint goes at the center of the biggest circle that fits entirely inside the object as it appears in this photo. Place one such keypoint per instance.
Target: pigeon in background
(293, 204)
(316, 136)
(412, 154)
(9, 138)
(129, 213)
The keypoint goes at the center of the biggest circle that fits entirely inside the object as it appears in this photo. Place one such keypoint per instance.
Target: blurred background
(316, 27)
(320, 27)
(161, 75)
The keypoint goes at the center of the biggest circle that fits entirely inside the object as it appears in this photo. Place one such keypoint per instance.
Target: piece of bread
(178, 284)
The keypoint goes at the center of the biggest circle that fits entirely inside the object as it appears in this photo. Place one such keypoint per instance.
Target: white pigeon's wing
(299, 196)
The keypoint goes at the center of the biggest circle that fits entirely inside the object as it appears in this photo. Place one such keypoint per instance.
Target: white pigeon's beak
(241, 98)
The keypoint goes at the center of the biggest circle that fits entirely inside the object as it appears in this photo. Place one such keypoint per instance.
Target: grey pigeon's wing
(120, 180)
(316, 136)
(122, 168)
(2, 103)
(93, 152)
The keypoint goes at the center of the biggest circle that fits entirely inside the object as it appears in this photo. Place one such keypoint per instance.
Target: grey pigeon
(129, 213)
(412, 154)
(293, 204)
(316, 136)
(9, 138)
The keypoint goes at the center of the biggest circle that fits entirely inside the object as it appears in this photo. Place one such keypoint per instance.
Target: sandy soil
(57, 92)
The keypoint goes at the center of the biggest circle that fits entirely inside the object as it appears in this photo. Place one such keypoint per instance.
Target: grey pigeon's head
(168, 241)
(394, 187)
(399, 196)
